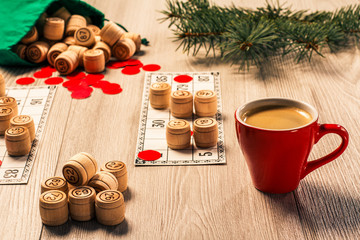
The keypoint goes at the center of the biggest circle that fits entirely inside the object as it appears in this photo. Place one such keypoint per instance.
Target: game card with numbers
(152, 125)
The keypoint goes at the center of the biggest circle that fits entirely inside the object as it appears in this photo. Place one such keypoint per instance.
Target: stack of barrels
(19, 130)
(67, 41)
(181, 102)
(84, 192)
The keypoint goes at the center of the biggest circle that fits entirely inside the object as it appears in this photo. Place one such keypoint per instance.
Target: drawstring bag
(18, 16)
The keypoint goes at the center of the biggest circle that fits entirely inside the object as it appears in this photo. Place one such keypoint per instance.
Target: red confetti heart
(43, 74)
(112, 88)
(133, 62)
(81, 86)
(48, 68)
(131, 70)
(25, 80)
(151, 67)
(149, 155)
(54, 80)
(92, 79)
(80, 94)
(71, 83)
(76, 76)
(183, 78)
(101, 84)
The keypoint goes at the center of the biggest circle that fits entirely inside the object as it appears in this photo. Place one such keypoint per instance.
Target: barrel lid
(178, 126)
(22, 120)
(8, 101)
(6, 113)
(109, 199)
(117, 168)
(205, 124)
(181, 96)
(16, 133)
(160, 88)
(53, 199)
(93, 54)
(54, 183)
(205, 96)
(82, 195)
(55, 21)
(75, 173)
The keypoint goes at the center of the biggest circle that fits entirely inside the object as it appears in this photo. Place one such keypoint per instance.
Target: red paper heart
(183, 78)
(149, 155)
(43, 74)
(54, 80)
(131, 70)
(151, 67)
(25, 80)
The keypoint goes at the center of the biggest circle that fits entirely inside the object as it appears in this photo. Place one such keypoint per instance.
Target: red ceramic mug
(277, 159)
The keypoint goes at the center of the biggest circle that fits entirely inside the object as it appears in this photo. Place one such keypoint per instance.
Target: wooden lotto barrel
(95, 29)
(80, 169)
(69, 40)
(205, 132)
(123, 49)
(2, 86)
(53, 206)
(24, 121)
(105, 48)
(17, 141)
(205, 103)
(178, 134)
(94, 61)
(20, 50)
(62, 13)
(110, 207)
(80, 52)
(82, 203)
(181, 104)
(54, 183)
(55, 51)
(119, 170)
(160, 95)
(31, 36)
(9, 102)
(74, 22)
(103, 181)
(37, 51)
(135, 37)
(54, 28)
(84, 36)
(66, 62)
(111, 33)
(6, 113)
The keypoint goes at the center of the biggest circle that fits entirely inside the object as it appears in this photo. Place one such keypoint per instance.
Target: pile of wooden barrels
(69, 41)
(84, 192)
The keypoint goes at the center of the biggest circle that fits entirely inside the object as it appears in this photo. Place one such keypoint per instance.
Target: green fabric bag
(18, 16)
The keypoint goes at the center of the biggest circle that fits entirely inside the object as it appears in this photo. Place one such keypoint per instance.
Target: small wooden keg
(74, 22)
(80, 51)
(95, 29)
(62, 13)
(80, 169)
(9, 102)
(178, 134)
(205, 103)
(181, 104)
(123, 49)
(6, 113)
(17, 140)
(82, 203)
(205, 132)
(24, 121)
(54, 28)
(54, 183)
(2, 86)
(110, 207)
(31, 36)
(54, 208)
(103, 181)
(105, 48)
(69, 40)
(66, 62)
(84, 36)
(135, 37)
(37, 51)
(94, 61)
(40, 23)
(20, 50)
(55, 51)
(119, 170)
(160, 95)
(111, 33)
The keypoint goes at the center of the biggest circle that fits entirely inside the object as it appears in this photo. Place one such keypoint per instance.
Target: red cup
(277, 159)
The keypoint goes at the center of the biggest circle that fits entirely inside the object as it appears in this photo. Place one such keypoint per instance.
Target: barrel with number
(103, 181)
(54, 183)
(84, 36)
(17, 141)
(160, 95)
(205, 132)
(82, 203)
(178, 134)
(6, 113)
(119, 170)
(205, 102)
(54, 208)
(110, 207)
(25, 121)
(9, 102)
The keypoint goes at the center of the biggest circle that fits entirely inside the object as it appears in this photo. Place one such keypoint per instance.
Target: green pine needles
(248, 37)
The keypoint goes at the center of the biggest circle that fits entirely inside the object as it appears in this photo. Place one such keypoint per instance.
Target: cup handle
(323, 130)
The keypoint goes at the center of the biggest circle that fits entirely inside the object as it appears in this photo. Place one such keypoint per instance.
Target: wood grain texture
(200, 202)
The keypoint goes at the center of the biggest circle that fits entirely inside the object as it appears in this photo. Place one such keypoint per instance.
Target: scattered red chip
(25, 80)
(149, 155)
(71, 83)
(54, 80)
(183, 79)
(112, 88)
(151, 67)
(43, 74)
(48, 68)
(91, 79)
(192, 133)
(81, 94)
(131, 70)
(101, 84)
(76, 75)
(80, 86)
(133, 62)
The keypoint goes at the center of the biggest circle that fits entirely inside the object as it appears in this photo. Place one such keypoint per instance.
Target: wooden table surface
(199, 202)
